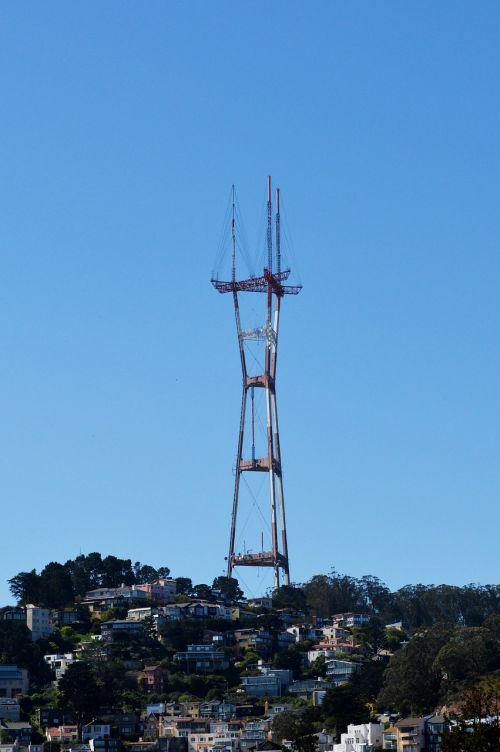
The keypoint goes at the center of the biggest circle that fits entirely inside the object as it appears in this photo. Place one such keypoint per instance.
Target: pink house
(161, 591)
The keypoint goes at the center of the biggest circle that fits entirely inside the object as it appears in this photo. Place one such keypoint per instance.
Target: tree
(143, 573)
(116, 572)
(16, 647)
(286, 725)
(56, 586)
(184, 585)
(411, 681)
(475, 728)
(470, 652)
(370, 635)
(203, 591)
(289, 596)
(26, 587)
(80, 693)
(343, 705)
(292, 658)
(229, 587)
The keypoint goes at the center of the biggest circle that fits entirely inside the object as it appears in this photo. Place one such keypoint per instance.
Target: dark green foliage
(58, 585)
(437, 663)
(184, 585)
(80, 692)
(292, 658)
(229, 587)
(415, 605)
(289, 596)
(476, 727)
(25, 587)
(371, 635)
(469, 653)
(343, 705)
(17, 648)
(287, 725)
(203, 592)
(367, 681)
(412, 682)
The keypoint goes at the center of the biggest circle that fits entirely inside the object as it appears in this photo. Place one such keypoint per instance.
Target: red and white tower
(271, 284)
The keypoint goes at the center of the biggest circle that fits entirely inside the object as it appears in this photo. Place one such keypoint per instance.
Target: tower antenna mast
(272, 285)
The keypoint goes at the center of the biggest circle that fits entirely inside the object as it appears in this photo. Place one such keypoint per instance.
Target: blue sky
(123, 126)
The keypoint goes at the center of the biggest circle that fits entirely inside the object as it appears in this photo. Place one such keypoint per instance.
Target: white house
(59, 662)
(362, 738)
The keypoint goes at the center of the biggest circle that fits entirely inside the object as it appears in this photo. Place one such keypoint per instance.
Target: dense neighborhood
(100, 654)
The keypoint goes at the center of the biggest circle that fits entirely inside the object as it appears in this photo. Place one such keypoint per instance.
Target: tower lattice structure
(272, 285)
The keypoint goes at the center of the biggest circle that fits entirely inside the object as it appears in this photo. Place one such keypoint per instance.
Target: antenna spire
(278, 233)
(233, 236)
(269, 228)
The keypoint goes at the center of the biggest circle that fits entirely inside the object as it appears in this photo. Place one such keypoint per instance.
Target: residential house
(63, 734)
(115, 626)
(161, 591)
(210, 709)
(324, 741)
(270, 682)
(151, 726)
(59, 662)
(360, 738)
(219, 737)
(52, 717)
(101, 599)
(390, 739)
(9, 709)
(104, 745)
(127, 724)
(38, 622)
(152, 679)
(258, 640)
(262, 602)
(199, 609)
(350, 619)
(154, 615)
(288, 618)
(63, 617)
(284, 640)
(14, 681)
(95, 730)
(19, 731)
(331, 633)
(303, 632)
(181, 727)
(434, 727)
(305, 688)
(330, 650)
(339, 672)
(15, 614)
(410, 734)
(202, 658)
(174, 612)
(143, 746)
(253, 733)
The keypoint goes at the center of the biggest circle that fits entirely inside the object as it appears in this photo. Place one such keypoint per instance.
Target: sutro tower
(271, 284)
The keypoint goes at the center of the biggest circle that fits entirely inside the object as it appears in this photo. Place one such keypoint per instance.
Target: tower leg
(281, 498)
(237, 483)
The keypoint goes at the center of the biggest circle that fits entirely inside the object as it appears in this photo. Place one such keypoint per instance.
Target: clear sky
(123, 125)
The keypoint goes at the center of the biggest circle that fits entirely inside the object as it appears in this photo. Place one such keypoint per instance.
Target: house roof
(409, 722)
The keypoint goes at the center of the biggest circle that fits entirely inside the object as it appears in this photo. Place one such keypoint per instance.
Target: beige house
(407, 735)
(38, 622)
